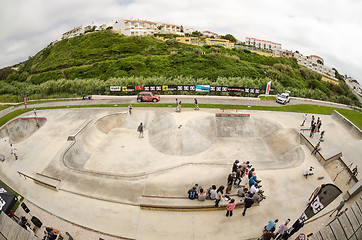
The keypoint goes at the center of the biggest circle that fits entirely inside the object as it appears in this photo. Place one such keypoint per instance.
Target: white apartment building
(210, 34)
(315, 63)
(353, 83)
(144, 28)
(73, 32)
(263, 44)
(135, 27)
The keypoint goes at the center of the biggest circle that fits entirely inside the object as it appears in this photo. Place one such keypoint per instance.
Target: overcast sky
(331, 29)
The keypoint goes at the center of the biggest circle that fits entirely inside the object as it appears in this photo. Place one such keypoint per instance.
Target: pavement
(107, 173)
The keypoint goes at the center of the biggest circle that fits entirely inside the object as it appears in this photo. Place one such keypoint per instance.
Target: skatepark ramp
(20, 129)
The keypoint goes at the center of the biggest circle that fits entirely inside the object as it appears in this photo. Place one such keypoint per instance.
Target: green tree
(229, 37)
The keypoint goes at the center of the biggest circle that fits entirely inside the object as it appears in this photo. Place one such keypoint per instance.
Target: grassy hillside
(91, 63)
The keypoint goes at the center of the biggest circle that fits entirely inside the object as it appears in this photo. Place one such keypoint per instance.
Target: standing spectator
(140, 130)
(251, 173)
(238, 177)
(177, 105)
(213, 194)
(271, 225)
(230, 181)
(202, 195)
(219, 192)
(339, 208)
(12, 150)
(230, 207)
(319, 124)
(245, 168)
(192, 194)
(304, 119)
(312, 122)
(321, 138)
(196, 104)
(282, 229)
(235, 166)
(130, 109)
(248, 203)
(316, 148)
(312, 129)
(34, 111)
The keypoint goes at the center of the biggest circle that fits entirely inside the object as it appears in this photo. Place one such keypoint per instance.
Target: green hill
(91, 63)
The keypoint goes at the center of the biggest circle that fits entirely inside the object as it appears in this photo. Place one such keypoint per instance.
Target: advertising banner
(115, 88)
(257, 91)
(327, 193)
(158, 88)
(236, 89)
(202, 88)
(139, 88)
(267, 90)
(172, 88)
(7, 199)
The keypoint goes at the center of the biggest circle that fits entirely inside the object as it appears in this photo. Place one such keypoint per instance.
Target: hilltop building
(210, 34)
(315, 63)
(206, 41)
(263, 44)
(85, 29)
(353, 83)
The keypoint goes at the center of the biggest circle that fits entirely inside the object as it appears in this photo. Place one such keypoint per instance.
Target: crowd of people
(250, 192)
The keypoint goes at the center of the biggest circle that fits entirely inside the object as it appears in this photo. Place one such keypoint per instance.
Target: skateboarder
(196, 104)
(12, 149)
(140, 130)
(304, 119)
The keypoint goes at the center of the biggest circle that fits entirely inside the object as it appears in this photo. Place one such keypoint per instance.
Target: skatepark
(90, 168)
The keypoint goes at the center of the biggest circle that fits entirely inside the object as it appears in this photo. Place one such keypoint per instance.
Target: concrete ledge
(232, 115)
(322, 160)
(348, 124)
(78, 130)
(47, 181)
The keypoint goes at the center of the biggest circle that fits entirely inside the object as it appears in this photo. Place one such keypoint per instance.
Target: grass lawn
(16, 205)
(267, 98)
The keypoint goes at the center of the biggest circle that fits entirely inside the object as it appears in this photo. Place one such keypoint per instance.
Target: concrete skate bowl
(277, 147)
(20, 129)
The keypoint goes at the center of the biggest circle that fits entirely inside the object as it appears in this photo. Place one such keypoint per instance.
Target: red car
(147, 97)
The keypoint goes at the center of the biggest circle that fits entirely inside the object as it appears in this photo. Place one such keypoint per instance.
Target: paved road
(226, 100)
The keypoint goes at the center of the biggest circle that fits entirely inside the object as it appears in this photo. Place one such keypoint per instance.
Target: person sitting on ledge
(192, 193)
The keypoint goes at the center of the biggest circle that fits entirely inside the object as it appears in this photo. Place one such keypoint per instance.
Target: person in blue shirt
(271, 225)
(192, 193)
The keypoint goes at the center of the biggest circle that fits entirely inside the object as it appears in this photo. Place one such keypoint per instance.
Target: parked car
(147, 97)
(283, 98)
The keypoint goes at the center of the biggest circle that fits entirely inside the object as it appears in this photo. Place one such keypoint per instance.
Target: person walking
(12, 150)
(130, 109)
(304, 119)
(230, 207)
(339, 207)
(140, 130)
(219, 193)
(34, 111)
(248, 202)
(196, 105)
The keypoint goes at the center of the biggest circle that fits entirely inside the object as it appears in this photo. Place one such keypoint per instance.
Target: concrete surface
(107, 170)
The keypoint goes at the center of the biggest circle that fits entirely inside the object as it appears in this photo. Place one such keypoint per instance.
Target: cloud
(330, 29)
